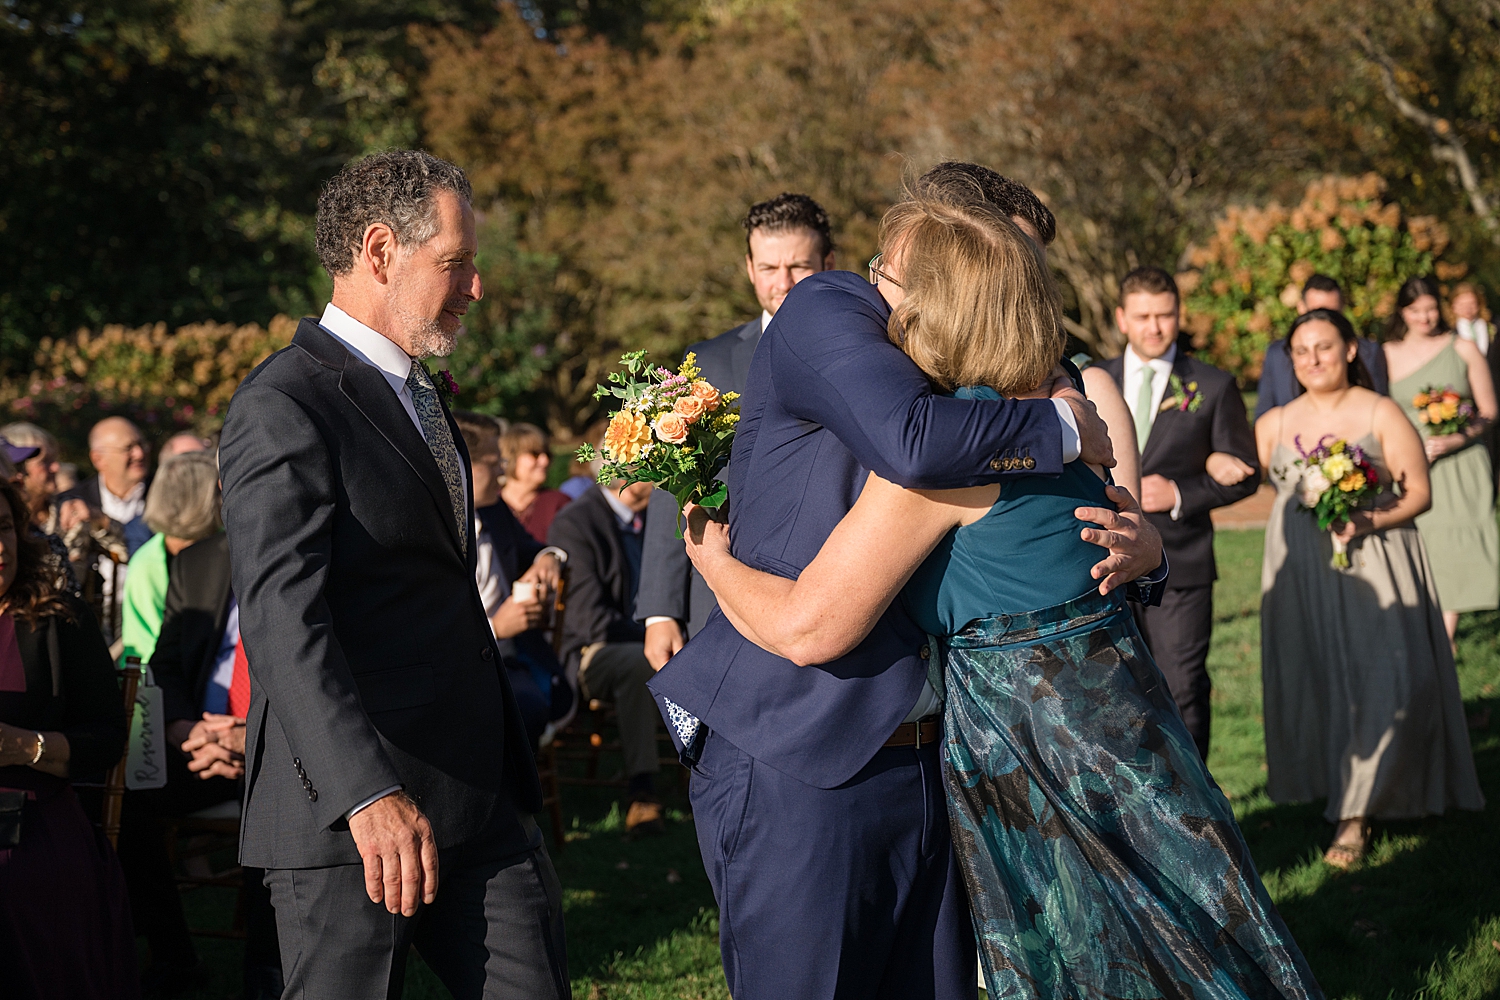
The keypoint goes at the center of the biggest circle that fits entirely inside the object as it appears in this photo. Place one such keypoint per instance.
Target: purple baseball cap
(16, 453)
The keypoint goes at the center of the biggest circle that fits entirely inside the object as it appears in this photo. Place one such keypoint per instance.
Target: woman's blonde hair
(184, 497)
(981, 308)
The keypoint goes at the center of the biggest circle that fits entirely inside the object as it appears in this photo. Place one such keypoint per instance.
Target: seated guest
(580, 477)
(64, 924)
(1278, 386)
(39, 472)
(506, 555)
(182, 443)
(603, 644)
(200, 667)
(524, 447)
(110, 504)
(182, 507)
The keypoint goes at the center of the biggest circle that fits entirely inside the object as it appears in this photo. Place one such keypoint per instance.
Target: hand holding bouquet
(1443, 410)
(1337, 479)
(672, 429)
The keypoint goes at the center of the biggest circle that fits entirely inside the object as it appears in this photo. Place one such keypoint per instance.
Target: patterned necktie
(424, 399)
(1143, 407)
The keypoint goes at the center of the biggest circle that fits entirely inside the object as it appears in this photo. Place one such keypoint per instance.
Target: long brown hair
(37, 590)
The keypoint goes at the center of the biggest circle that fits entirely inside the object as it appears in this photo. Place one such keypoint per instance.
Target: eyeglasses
(876, 274)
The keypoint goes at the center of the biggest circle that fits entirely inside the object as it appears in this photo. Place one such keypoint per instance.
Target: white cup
(524, 592)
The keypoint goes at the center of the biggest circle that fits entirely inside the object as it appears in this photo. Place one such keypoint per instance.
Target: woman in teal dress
(1101, 859)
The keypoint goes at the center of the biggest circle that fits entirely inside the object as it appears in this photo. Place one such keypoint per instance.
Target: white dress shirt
(381, 353)
(1161, 377)
(1477, 331)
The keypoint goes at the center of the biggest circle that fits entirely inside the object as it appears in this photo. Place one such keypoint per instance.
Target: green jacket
(144, 599)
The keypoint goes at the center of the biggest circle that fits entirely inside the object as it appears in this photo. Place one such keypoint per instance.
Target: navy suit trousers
(847, 892)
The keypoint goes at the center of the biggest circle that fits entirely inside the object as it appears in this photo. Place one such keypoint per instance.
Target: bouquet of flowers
(673, 429)
(1443, 410)
(1337, 479)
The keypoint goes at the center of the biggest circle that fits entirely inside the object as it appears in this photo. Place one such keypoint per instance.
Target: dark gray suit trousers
(495, 930)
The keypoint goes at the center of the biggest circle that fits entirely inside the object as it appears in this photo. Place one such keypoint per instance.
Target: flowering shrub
(1241, 292)
(164, 381)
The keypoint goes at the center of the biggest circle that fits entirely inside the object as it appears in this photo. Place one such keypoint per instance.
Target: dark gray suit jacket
(669, 585)
(1178, 448)
(371, 661)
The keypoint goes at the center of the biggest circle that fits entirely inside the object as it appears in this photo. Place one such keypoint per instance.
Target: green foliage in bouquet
(673, 429)
(1242, 290)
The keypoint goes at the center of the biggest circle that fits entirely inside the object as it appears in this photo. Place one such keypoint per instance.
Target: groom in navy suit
(816, 790)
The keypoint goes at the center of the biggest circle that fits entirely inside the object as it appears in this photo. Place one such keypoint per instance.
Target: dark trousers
(154, 897)
(1177, 633)
(495, 931)
(849, 892)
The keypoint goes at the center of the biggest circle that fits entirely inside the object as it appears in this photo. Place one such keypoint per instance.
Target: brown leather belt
(917, 734)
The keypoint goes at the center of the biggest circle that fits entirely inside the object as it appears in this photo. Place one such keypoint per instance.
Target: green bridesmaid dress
(1459, 531)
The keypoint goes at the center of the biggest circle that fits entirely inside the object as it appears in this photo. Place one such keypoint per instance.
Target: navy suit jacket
(670, 586)
(831, 398)
(1278, 385)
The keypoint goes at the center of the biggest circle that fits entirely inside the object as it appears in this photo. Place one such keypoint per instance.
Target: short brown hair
(788, 211)
(954, 182)
(474, 426)
(981, 308)
(521, 439)
(1148, 281)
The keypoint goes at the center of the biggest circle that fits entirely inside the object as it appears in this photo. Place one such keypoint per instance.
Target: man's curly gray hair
(395, 187)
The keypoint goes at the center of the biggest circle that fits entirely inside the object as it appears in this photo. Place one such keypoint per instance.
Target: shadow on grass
(1417, 917)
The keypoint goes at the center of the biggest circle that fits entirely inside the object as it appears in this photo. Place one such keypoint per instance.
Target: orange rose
(627, 437)
(707, 393)
(671, 428)
(1434, 413)
(689, 408)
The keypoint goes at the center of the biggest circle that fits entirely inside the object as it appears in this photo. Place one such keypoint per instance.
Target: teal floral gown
(1101, 859)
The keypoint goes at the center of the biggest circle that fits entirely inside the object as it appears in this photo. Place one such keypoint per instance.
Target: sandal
(1344, 856)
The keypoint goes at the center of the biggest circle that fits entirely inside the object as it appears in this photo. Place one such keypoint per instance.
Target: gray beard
(427, 336)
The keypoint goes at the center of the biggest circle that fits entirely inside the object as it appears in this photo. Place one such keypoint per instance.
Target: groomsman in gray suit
(384, 746)
(787, 238)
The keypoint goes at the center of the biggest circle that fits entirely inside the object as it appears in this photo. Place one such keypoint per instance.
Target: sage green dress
(1459, 531)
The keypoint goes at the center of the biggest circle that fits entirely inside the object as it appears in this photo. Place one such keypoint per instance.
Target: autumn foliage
(1242, 290)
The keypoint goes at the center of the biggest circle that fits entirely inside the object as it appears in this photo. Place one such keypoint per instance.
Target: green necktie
(1143, 407)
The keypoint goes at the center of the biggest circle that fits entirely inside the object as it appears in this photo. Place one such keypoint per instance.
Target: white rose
(1314, 482)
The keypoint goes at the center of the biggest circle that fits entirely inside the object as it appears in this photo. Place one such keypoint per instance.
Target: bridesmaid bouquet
(1443, 410)
(673, 429)
(1337, 479)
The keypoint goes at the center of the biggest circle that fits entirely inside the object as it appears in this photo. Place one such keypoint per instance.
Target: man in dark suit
(786, 239)
(1278, 385)
(837, 879)
(602, 533)
(1184, 411)
(384, 746)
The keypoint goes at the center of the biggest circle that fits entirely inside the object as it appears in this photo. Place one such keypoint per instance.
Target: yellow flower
(627, 438)
(1353, 481)
(1420, 401)
(1449, 409)
(1434, 413)
(1336, 467)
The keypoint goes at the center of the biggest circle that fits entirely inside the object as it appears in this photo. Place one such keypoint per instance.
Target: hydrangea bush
(1241, 291)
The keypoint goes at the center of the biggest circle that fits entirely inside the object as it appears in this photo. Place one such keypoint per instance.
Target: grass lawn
(1421, 918)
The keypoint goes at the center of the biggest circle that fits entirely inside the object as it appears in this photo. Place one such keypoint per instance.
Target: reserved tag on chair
(146, 750)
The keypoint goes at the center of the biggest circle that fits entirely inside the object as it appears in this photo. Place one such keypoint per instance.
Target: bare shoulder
(1098, 382)
(1267, 423)
(1469, 352)
(1388, 414)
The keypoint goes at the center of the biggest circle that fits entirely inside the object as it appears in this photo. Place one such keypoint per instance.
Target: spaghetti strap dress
(1101, 859)
(1361, 698)
(1459, 530)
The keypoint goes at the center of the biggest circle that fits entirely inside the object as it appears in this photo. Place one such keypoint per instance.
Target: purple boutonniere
(1182, 397)
(446, 383)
